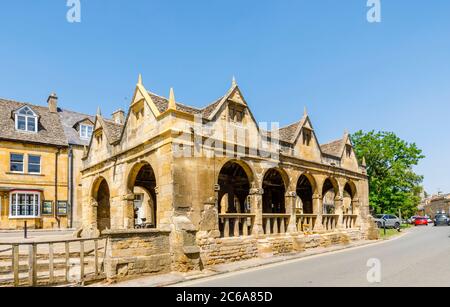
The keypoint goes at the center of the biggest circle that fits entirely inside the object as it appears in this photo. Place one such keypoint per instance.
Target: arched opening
(143, 185)
(102, 197)
(274, 192)
(305, 193)
(349, 195)
(329, 192)
(234, 189)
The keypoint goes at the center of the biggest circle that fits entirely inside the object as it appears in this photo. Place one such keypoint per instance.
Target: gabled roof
(113, 131)
(69, 120)
(50, 129)
(333, 148)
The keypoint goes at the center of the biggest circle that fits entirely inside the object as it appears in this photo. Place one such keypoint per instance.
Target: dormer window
(236, 114)
(86, 132)
(26, 120)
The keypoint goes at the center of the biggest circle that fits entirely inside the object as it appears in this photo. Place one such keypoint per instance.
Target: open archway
(142, 183)
(274, 192)
(234, 186)
(305, 193)
(329, 192)
(101, 194)
(349, 195)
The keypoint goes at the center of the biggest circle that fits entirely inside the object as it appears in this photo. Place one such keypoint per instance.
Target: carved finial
(99, 112)
(305, 112)
(140, 79)
(233, 82)
(364, 163)
(346, 132)
(172, 102)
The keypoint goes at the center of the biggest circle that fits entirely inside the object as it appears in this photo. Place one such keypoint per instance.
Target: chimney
(53, 103)
(119, 117)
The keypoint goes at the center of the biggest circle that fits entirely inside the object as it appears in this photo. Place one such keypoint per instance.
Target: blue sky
(286, 54)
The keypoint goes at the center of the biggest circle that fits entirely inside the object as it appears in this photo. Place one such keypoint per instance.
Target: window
(86, 131)
(348, 150)
(307, 137)
(16, 163)
(34, 164)
(26, 120)
(236, 114)
(24, 205)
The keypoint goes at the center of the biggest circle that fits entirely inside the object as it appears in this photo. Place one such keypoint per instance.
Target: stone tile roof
(162, 104)
(333, 148)
(288, 133)
(113, 130)
(69, 119)
(50, 129)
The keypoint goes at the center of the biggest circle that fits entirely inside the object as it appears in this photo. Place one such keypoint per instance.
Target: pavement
(35, 235)
(419, 258)
(218, 272)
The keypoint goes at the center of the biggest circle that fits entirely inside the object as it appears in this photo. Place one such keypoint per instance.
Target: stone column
(256, 199)
(356, 211)
(318, 210)
(128, 211)
(290, 200)
(339, 205)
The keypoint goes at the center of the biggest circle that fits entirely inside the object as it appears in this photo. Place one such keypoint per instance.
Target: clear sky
(285, 54)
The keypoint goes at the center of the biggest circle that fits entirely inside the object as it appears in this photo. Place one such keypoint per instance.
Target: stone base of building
(132, 253)
(214, 251)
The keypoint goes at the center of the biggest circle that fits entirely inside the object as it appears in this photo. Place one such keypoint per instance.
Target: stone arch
(349, 195)
(275, 183)
(305, 189)
(142, 186)
(234, 181)
(101, 197)
(330, 191)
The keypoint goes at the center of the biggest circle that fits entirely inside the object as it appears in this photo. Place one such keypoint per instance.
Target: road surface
(419, 258)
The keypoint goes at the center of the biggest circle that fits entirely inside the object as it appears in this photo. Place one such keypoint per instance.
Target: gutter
(70, 185)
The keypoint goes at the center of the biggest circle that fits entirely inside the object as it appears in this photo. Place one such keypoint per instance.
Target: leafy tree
(390, 160)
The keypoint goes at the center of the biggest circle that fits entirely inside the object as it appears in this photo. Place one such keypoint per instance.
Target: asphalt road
(419, 258)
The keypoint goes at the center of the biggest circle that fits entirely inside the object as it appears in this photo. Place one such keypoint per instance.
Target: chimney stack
(119, 117)
(53, 103)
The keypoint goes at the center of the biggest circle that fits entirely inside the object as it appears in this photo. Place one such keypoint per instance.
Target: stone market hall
(210, 185)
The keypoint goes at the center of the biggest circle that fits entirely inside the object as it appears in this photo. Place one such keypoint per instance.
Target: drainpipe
(56, 187)
(70, 185)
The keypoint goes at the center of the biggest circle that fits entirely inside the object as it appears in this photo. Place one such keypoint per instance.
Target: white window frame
(86, 135)
(23, 163)
(40, 165)
(28, 118)
(38, 205)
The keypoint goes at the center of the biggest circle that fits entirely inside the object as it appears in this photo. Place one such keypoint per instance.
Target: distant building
(435, 204)
(40, 162)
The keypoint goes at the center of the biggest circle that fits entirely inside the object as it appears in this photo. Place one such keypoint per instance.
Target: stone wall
(215, 251)
(139, 252)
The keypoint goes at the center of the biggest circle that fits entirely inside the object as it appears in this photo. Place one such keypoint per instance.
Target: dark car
(441, 220)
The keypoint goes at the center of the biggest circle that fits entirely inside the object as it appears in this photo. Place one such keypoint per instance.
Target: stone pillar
(128, 211)
(256, 199)
(318, 210)
(339, 205)
(356, 211)
(290, 200)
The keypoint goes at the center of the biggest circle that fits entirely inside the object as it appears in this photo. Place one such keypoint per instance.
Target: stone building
(219, 187)
(40, 163)
(436, 204)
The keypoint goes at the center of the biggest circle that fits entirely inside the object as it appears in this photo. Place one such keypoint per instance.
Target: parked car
(421, 221)
(388, 221)
(442, 220)
(412, 219)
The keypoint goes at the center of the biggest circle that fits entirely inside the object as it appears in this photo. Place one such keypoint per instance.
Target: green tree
(392, 181)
